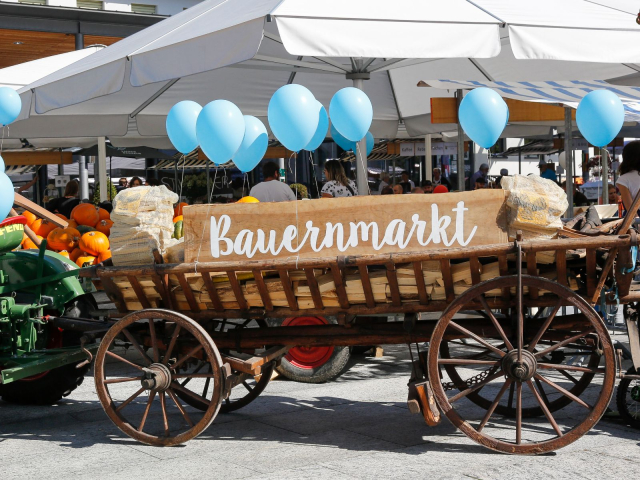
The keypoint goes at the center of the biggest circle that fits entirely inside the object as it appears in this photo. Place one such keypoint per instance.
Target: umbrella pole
(568, 148)
(460, 186)
(84, 177)
(428, 159)
(102, 168)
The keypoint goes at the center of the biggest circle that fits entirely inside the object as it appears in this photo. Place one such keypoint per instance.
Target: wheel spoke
(146, 410)
(466, 361)
(172, 343)
(206, 387)
(518, 413)
(477, 338)
(180, 407)
(191, 353)
(544, 408)
(564, 342)
(193, 375)
(124, 360)
(543, 394)
(477, 386)
(154, 340)
(189, 376)
(186, 391)
(563, 391)
(163, 407)
(122, 379)
(493, 406)
(130, 399)
(247, 386)
(544, 326)
(573, 368)
(495, 322)
(137, 346)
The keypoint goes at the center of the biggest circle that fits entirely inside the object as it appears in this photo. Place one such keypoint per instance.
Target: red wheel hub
(307, 357)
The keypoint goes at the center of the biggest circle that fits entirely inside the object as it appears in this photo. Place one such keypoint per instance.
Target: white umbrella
(244, 50)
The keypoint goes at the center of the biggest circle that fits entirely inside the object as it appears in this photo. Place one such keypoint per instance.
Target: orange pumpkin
(27, 244)
(64, 253)
(94, 243)
(75, 253)
(63, 238)
(30, 217)
(177, 210)
(104, 226)
(81, 260)
(72, 223)
(103, 214)
(178, 219)
(248, 199)
(42, 227)
(103, 256)
(61, 216)
(86, 214)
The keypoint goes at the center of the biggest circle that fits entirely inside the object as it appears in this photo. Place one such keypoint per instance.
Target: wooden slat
(313, 286)
(392, 277)
(503, 265)
(445, 266)
(212, 291)
(39, 211)
(162, 289)
(188, 293)
(288, 291)
(340, 290)
(139, 291)
(561, 267)
(237, 290)
(114, 293)
(262, 290)
(172, 293)
(474, 266)
(422, 288)
(591, 271)
(366, 286)
(532, 269)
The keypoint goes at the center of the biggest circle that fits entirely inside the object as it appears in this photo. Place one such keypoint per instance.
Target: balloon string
(315, 177)
(213, 187)
(184, 160)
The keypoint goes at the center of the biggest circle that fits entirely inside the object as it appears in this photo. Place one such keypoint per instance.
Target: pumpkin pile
(178, 231)
(84, 241)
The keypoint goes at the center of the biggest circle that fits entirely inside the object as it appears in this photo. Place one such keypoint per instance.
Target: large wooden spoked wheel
(508, 362)
(138, 388)
(249, 387)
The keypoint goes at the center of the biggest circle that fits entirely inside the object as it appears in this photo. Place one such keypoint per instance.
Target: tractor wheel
(49, 387)
(311, 364)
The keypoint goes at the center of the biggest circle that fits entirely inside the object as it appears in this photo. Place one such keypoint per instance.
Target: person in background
(152, 182)
(503, 173)
(440, 189)
(384, 182)
(438, 179)
(481, 173)
(579, 198)
(122, 184)
(427, 186)
(613, 195)
(629, 180)
(272, 189)
(481, 183)
(388, 190)
(135, 182)
(417, 190)
(407, 184)
(338, 184)
(397, 189)
(68, 202)
(546, 172)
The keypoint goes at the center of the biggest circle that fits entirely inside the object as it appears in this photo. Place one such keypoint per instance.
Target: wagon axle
(522, 370)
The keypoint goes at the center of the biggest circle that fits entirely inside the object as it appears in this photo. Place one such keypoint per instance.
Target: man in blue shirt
(481, 173)
(546, 171)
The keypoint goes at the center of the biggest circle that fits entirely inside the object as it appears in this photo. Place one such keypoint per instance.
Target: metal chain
(470, 382)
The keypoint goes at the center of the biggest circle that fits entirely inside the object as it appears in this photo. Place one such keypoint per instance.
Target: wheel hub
(635, 393)
(157, 377)
(521, 371)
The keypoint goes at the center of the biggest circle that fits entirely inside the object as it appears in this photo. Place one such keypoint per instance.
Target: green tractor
(45, 345)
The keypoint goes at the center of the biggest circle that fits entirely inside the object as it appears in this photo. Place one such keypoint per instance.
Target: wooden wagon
(506, 354)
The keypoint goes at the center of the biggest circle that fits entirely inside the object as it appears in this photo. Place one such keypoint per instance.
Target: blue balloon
(10, 105)
(483, 115)
(321, 130)
(1, 165)
(600, 117)
(220, 130)
(254, 144)
(181, 126)
(342, 142)
(293, 116)
(370, 142)
(351, 112)
(6, 197)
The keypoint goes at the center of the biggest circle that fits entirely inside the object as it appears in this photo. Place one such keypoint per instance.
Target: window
(33, 2)
(143, 8)
(90, 4)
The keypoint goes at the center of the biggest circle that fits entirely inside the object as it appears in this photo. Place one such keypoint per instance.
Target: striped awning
(379, 152)
(20, 169)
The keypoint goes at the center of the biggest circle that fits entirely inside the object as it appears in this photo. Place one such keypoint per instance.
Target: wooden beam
(272, 152)
(443, 110)
(39, 211)
(37, 158)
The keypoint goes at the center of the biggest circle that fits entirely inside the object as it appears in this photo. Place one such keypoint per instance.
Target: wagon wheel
(140, 393)
(250, 387)
(516, 383)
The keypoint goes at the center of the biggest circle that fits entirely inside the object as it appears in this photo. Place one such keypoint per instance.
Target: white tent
(243, 50)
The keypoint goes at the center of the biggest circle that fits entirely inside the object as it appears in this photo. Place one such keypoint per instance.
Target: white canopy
(243, 50)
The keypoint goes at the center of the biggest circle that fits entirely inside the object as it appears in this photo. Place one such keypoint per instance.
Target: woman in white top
(338, 185)
(629, 181)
